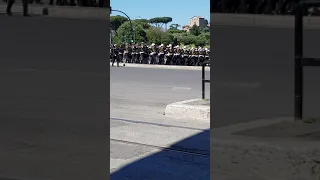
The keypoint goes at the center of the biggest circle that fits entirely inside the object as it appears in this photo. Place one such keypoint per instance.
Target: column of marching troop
(159, 54)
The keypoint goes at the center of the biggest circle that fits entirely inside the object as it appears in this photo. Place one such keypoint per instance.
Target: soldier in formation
(163, 55)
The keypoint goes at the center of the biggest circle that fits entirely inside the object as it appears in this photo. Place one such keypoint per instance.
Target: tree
(154, 35)
(206, 22)
(195, 30)
(175, 31)
(166, 20)
(157, 36)
(187, 39)
(174, 26)
(143, 23)
(168, 38)
(160, 21)
(205, 30)
(200, 41)
(124, 32)
(117, 21)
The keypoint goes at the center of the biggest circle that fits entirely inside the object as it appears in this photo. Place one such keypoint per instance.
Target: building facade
(198, 21)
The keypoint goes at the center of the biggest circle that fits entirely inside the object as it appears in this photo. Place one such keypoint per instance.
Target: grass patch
(311, 120)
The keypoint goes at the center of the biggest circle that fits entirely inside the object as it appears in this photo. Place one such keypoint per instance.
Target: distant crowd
(259, 7)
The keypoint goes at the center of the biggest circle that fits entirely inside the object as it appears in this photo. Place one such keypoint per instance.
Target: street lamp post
(132, 34)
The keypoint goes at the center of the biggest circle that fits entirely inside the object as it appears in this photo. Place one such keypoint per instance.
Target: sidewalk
(267, 149)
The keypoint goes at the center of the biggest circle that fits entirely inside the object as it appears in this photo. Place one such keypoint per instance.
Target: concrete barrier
(189, 109)
(261, 20)
(153, 66)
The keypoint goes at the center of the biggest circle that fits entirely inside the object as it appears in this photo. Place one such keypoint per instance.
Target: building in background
(198, 21)
(186, 28)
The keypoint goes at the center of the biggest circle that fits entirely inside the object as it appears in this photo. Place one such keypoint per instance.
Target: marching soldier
(134, 53)
(169, 55)
(153, 54)
(161, 54)
(115, 55)
(120, 53)
(177, 55)
(10, 4)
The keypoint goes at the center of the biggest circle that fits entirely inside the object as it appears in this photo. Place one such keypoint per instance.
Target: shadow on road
(188, 159)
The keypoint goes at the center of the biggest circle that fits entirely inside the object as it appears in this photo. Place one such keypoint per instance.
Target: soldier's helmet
(169, 46)
(176, 47)
(161, 45)
(153, 44)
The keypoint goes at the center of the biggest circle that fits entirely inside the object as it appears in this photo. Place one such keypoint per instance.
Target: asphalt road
(157, 86)
(54, 95)
(138, 99)
(253, 74)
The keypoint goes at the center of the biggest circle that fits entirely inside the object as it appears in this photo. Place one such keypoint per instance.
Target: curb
(261, 20)
(78, 12)
(267, 159)
(181, 110)
(151, 66)
(62, 11)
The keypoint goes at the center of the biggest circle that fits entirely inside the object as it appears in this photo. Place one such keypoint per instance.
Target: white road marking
(154, 86)
(181, 88)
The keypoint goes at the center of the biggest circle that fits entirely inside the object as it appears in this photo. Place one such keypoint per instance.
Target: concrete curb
(180, 110)
(261, 20)
(63, 11)
(79, 12)
(150, 66)
(267, 159)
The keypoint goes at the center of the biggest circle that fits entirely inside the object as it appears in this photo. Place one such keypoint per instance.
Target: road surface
(148, 91)
(140, 131)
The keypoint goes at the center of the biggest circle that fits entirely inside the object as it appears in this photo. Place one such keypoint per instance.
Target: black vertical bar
(203, 82)
(298, 106)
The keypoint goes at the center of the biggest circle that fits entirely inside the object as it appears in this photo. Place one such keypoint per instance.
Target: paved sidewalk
(267, 149)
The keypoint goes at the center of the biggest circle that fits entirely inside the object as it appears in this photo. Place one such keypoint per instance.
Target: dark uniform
(115, 55)
(153, 54)
(161, 55)
(25, 7)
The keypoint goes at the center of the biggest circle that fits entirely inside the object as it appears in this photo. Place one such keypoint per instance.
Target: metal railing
(204, 80)
(300, 60)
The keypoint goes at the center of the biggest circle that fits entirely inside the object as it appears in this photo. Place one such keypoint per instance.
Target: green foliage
(160, 21)
(154, 35)
(157, 36)
(195, 30)
(174, 26)
(206, 29)
(117, 21)
(173, 31)
(144, 23)
(124, 32)
(116, 40)
(144, 32)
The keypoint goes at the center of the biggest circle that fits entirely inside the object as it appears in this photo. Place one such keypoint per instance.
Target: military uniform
(152, 56)
(161, 54)
(115, 55)
(10, 4)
